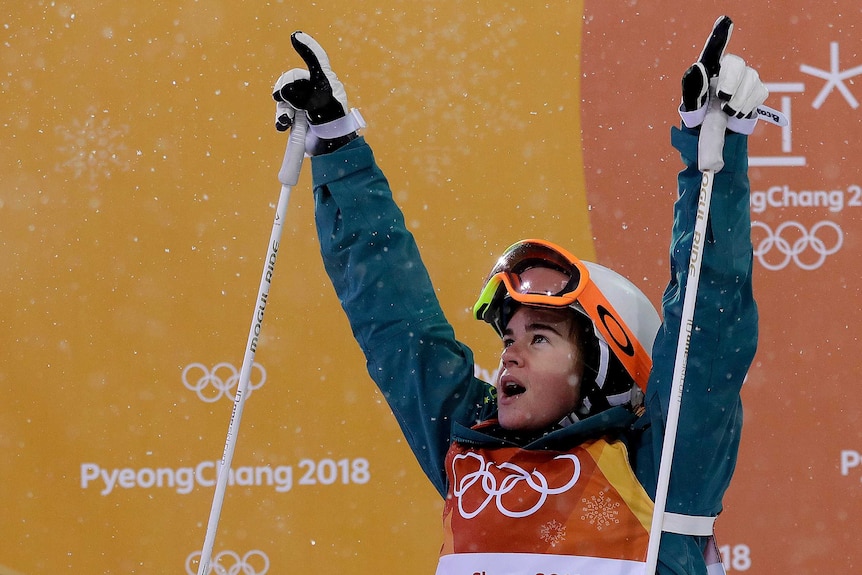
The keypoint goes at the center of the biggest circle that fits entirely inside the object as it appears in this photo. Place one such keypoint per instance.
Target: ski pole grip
(710, 150)
(295, 152)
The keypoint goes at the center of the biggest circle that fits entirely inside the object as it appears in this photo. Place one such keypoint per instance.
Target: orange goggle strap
(620, 339)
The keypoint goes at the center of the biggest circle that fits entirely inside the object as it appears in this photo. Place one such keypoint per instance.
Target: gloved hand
(738, 85)
(319, 94)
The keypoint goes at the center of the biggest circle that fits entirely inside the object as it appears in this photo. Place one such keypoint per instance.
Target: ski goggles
(539, 273)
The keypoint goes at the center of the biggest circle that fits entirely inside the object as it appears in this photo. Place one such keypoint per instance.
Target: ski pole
(711, 142)
(710, 161)
(288, 175)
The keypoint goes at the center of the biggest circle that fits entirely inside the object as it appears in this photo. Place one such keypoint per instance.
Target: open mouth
(512, 389)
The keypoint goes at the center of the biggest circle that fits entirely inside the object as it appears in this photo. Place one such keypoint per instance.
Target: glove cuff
(330, 136)
(342, 126)
(742, 125)
(694, 118)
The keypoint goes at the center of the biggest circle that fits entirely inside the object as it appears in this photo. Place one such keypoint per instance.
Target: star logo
(834, 78)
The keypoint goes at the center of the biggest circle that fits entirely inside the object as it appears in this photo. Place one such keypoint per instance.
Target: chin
(514, 422)
(509, 421)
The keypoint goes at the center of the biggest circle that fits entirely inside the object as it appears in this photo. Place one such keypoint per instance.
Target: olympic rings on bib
(494, 488)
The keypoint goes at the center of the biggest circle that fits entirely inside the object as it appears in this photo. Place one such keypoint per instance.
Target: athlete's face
(541, 369)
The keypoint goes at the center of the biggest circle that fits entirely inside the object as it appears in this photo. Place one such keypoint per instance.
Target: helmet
(620, 320)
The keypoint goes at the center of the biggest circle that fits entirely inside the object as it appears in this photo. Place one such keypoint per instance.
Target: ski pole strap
(688, 524)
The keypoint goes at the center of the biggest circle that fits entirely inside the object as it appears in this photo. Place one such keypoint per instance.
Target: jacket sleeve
(722, 345)
(723, 338)
(374, 264)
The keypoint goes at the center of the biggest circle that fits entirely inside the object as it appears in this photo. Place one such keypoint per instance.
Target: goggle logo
(495, 489)
(210, 385)
(230, 563)
(798, 244)
(622, 341)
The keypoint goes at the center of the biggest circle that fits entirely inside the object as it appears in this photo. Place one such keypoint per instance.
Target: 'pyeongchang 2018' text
(184, 479)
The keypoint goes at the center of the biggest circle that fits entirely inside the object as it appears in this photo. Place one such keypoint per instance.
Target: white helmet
(621, 320)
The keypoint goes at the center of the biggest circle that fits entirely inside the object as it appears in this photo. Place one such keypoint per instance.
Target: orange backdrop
(139, 186)
(795, 502)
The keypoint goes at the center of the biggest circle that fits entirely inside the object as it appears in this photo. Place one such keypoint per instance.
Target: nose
(512, 355)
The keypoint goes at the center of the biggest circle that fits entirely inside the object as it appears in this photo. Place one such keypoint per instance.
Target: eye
(540, 338)
(508, 341)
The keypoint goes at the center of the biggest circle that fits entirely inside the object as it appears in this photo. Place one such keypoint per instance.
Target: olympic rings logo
(798, 243)
(230, 563)
(210, 385)
(485, 479)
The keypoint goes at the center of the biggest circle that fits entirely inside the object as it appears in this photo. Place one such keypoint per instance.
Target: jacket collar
(615, 421)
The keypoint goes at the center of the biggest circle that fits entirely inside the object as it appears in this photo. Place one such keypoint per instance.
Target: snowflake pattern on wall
(92, 148)
(553, 533)
(601, 511)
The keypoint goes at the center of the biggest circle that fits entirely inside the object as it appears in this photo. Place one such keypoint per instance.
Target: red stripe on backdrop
(795, 499)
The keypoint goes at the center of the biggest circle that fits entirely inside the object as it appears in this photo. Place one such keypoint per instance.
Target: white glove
(738, 85)
(318, 93)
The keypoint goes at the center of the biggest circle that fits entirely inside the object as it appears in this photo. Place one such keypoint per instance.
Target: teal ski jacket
(427, 375)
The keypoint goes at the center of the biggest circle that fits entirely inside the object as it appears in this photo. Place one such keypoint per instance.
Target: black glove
(319, 94)
(738, 85)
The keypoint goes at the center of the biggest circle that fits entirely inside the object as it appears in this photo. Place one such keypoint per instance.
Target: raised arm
(724, 328)
(374, 264)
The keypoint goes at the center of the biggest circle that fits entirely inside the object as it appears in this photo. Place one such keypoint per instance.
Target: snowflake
(92, 148)
(553, 533)
(600, 511)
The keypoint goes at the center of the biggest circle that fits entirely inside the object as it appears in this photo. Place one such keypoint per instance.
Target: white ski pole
(288, 176)
(710, 161)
